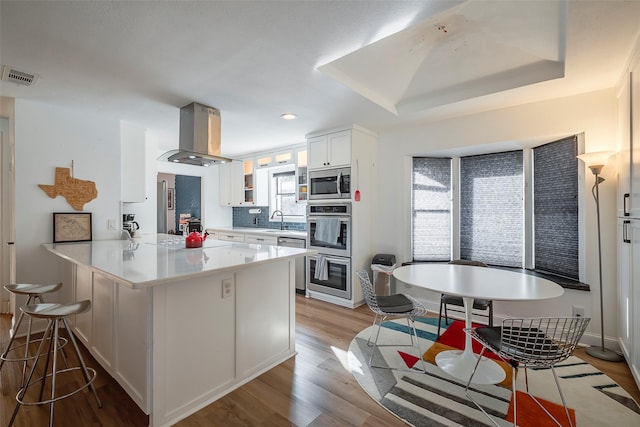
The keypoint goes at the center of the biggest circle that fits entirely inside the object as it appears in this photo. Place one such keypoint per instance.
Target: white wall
(47, 137)
(511, 128)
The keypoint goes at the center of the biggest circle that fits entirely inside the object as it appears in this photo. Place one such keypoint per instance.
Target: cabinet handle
(625, 205)
(625, 231)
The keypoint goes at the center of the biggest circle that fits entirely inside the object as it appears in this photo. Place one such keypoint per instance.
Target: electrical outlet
(577, 311)
(111, 224)
(227, 288)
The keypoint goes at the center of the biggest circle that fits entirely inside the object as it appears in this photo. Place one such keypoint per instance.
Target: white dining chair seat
(541, 342)
(385, 306)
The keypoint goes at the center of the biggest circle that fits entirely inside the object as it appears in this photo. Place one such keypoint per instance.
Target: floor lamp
(596, 161)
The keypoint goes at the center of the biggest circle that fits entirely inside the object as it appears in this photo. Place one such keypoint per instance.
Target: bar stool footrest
(90, 371)
(62, 340)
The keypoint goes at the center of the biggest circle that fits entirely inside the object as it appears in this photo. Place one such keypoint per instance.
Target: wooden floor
(312, 389)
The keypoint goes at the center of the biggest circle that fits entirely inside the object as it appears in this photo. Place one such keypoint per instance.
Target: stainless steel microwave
(330, 184)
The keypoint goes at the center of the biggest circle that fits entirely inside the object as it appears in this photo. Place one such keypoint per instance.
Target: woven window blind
(431, 207)
(555, 212)
(492, 208)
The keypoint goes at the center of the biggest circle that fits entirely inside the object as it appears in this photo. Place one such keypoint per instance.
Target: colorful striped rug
(437, 399)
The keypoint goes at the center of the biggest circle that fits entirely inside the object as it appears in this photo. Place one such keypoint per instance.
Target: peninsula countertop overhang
(158, 259)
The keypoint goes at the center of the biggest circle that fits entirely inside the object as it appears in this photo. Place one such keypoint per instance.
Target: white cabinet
(634, 201)
(330, 150)
(629, 293)
(629, 217)
(261, 240)
(624, 148)
(232, 184)
(83, 291)
(353, 147)
(262, 187)
(102, 342)
(133, 163)
(231, 236)
(114, 329)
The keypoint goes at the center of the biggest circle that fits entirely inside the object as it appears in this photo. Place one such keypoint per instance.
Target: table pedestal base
(460, 364)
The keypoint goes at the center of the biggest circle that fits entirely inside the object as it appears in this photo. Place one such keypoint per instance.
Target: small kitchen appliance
(327, 184)
(195, 239)
(129, 224)
(194, 224)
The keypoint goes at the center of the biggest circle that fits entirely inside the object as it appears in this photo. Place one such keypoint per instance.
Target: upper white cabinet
(634, 202)
(628, 204)
(330, 150)
(232, 184)
(133, 162)
(624, 148)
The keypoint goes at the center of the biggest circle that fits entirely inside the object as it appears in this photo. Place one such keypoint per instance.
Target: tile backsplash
(242, 218)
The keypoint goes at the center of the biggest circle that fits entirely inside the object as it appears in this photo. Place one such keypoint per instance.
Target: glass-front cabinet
(301, 174)
(264, 161)
(283, 158)
(249, 183)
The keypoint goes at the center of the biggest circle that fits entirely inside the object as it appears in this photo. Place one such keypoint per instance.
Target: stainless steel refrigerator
(162, 206)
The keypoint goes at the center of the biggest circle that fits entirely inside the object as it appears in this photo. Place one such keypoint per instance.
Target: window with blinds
(283, 195)
(492, 208)
(555, 210)
(431, 207)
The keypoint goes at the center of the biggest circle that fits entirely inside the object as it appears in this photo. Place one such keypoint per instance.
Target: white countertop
(156, 259)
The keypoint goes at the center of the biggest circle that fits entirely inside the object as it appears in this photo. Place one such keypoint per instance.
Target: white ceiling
(379, 64)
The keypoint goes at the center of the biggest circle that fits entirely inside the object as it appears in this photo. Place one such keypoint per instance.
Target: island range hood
(199, 142)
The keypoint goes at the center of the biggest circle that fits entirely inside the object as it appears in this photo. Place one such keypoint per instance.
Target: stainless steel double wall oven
(329, 233)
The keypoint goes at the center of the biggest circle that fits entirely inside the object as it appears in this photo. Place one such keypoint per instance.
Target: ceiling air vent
(11, 74)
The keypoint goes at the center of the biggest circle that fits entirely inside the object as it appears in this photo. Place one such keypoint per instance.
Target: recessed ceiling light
(289, 116)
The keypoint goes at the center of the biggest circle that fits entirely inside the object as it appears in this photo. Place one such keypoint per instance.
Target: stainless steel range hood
(199, 137)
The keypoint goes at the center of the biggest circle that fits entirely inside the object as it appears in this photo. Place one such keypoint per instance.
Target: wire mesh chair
(530, 342)
(478, 304)
(385, 306)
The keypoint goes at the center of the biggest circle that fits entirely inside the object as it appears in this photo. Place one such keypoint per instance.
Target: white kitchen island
(179, 328)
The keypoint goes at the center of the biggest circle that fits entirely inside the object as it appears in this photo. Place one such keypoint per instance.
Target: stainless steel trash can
(382, 266)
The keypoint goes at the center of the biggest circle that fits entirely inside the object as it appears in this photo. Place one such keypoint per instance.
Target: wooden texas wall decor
(76, 191)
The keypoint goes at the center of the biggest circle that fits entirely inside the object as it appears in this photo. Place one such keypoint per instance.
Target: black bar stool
(34, 294)
(55, 314)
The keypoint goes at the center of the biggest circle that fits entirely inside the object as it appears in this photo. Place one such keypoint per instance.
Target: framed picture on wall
(170, 200)
(71, 227)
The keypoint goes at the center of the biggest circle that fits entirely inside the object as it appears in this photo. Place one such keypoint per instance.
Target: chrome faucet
(281, 217)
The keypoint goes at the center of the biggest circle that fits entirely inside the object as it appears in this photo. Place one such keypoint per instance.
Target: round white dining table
(471, 282)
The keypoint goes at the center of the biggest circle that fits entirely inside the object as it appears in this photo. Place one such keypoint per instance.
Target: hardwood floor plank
(312, 389)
